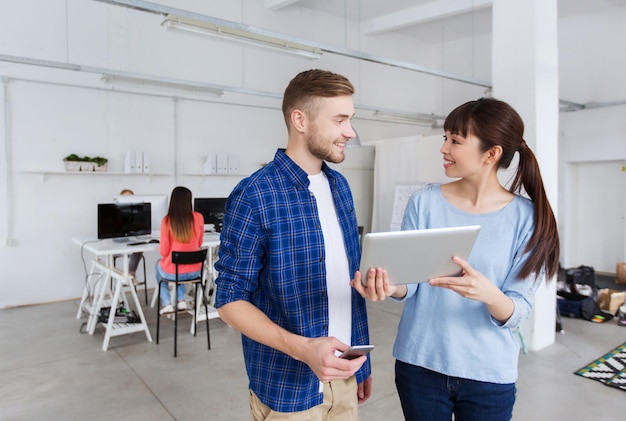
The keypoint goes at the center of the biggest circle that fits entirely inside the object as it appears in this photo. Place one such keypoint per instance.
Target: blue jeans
(426, 395)
(165, 286)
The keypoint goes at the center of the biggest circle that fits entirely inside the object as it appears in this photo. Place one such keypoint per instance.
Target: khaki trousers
(340, 403)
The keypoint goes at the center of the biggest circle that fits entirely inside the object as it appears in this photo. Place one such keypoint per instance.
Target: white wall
(596, 135)
(49, 113)
(592, 69)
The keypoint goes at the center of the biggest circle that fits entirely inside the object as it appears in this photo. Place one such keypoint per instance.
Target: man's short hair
(308, 85)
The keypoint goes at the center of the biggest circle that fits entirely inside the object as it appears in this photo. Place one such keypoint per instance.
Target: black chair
(136, 282)
(185, 258)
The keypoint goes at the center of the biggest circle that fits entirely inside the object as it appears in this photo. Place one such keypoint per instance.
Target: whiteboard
(400, 199)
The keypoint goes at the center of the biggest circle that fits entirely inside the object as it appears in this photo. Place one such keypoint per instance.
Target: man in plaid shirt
(289, 248)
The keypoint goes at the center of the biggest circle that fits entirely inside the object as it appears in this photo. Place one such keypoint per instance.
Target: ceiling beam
(278, 4)
(417, 15)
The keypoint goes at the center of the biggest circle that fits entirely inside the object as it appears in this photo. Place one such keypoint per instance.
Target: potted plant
(86, 164)
(100, 163)
(72, 162)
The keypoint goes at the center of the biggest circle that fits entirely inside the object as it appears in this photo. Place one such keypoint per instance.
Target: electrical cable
(88, 275)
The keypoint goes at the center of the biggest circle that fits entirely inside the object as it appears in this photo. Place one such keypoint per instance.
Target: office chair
(185, 258)
(136, 282)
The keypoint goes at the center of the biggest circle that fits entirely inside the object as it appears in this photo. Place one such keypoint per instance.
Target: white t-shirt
(338, 278)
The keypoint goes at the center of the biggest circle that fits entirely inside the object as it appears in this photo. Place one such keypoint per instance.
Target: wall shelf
(217, 175)
(45, 173)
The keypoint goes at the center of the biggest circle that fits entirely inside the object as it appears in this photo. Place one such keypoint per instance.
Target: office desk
(98, 294)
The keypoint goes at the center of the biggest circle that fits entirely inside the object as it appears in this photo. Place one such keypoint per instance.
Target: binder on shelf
(222, 164)
(233, 164)
(130, 162)
(139, 162)
(146, 163)
(210, 164)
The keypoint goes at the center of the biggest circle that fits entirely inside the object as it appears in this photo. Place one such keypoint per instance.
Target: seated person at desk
(182, 229)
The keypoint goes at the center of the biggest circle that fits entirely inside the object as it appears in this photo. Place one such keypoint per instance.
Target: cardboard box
(620, 273)
(610, 300)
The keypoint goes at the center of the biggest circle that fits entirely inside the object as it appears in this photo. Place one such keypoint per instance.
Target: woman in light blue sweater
(456, 351)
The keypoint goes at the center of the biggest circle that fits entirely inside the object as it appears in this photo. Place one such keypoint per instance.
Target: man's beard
(321, 149)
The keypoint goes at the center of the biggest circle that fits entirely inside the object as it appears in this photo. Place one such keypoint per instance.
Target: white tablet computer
(417, 255)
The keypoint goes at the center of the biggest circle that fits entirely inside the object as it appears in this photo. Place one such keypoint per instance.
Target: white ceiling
(591, 58)
(437, 21)
(424, 18)
(421, 19)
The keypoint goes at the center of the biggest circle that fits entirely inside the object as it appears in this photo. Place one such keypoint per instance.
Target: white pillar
(525, 74)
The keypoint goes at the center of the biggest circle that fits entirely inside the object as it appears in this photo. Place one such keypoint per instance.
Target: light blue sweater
(447, 333)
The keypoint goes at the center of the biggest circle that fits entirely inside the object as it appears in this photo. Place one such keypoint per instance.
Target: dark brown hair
(311, 84)
(495, 122)
(180, 214)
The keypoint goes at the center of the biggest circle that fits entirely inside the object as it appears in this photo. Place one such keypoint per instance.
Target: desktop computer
(212, 208)
(123, 221)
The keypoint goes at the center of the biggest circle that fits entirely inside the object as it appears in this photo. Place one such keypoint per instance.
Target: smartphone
(356, 351)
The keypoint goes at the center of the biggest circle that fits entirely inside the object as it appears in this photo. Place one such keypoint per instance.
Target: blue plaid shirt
(272, 255)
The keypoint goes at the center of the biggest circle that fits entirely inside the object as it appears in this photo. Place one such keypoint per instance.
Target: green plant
(100, 161)
(73, 157)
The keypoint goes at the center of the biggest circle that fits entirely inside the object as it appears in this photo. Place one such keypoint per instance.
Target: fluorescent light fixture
(150, 81)
(404, 118)
(240, 36)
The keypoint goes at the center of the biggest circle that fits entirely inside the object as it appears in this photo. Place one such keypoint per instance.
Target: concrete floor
(51, 371)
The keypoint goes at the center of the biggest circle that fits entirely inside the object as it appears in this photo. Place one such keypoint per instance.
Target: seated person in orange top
(182, 229)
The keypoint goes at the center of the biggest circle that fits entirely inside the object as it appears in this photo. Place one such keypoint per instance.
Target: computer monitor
(120, 221)
(159, 202)
(212, 208)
